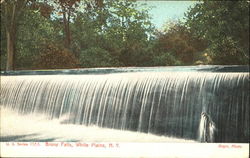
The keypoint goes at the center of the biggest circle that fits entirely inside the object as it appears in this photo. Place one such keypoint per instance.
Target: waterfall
(161, 103)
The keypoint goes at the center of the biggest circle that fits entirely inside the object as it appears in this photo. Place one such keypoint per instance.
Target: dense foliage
(56, 57)
(225, 25)
(178, 45)
(101, 33)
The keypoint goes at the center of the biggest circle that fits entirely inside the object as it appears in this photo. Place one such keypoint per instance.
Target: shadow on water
(33, 138)
(11, 138)
(26, 138)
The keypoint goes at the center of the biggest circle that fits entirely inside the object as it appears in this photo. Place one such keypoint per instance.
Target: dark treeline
(45, 34)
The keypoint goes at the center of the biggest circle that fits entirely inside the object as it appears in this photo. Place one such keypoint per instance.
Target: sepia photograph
(124, 78)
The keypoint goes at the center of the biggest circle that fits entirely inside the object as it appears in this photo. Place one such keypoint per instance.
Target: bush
(97, 57)
(228, 52)
(165, 59)
(56, 57)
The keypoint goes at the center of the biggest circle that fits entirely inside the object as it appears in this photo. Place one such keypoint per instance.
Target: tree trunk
(11, 35)
(10, 50)
(66, 29)
(13, 9)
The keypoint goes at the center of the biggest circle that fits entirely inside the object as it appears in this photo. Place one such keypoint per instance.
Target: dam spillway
(166, 103)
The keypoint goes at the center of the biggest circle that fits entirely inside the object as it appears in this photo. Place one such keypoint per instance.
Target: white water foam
(36, 128)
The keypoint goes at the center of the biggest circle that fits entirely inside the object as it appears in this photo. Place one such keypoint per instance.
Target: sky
(163, 11)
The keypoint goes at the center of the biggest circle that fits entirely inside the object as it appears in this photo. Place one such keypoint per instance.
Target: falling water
(162, 103)
(206, 128)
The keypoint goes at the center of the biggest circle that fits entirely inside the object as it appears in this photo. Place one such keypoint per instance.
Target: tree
(115, 31)
(130, 29)
(67, 8)
(225, 25)
(35, 31)
(176, 40)
(117, 27)
(11, 12)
